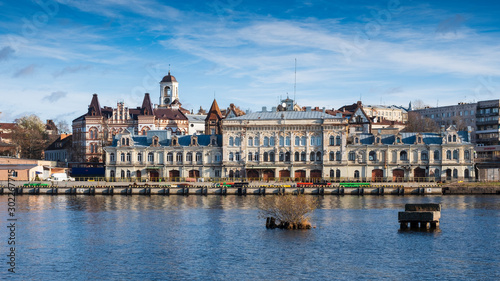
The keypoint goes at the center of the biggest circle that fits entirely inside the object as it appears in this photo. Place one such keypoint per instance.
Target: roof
(62, 142)
(7, 126)
(168, 78)
(170, 114)
(147, 107)
(214, 112)
(290, 115)
(196, 118)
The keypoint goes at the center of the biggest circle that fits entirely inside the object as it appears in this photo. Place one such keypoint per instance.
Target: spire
(94, 107)
(214, 112)
(147, 107)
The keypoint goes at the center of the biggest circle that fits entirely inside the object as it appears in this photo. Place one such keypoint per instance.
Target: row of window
(126, 157)
(403, 155)
(449, 173)
(282, 157)
(282, 141)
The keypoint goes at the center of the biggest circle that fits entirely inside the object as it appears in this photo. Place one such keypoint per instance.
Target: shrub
(290, 211)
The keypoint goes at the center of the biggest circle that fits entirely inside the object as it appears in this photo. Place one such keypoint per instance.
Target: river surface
(222, 238)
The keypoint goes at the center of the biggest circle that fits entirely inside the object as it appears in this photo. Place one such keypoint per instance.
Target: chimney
(264, 109)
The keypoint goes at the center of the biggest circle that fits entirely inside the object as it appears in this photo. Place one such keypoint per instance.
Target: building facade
(158, 155)
(95, 129)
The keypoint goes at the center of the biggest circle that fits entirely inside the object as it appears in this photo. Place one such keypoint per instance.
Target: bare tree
(419, 104)
(62, 127)
(30, 136)
(418, 123)
(288, 210)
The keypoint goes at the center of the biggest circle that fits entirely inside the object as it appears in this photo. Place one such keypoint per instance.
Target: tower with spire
(169, 90)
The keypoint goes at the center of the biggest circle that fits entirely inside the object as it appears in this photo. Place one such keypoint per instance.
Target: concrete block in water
(419, 216)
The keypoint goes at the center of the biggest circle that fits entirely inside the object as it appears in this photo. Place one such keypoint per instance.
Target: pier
(89, 188)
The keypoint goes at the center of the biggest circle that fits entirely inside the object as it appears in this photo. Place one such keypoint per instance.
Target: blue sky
(55, 54)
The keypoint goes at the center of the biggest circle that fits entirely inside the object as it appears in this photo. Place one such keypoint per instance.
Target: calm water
(222, 238)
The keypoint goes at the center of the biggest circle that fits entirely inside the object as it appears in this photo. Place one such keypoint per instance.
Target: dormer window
(155, 141)
(398, 140)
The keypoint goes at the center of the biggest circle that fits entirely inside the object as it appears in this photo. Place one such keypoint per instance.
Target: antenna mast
(295, 83)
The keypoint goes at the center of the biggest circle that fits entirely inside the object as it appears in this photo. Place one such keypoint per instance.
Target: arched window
(237, 156)
(455, 173)
(455, 154)
(122, 157)
(454, 138)
(128, 174)
(256, 156)
(318, 156)
(250, 156)
(338, 141)
(312, 156)
(256, 141)
(237, 141)
(403, 156)
(237, 173)
(271, 141)
(297, 156)
(151, 157)
(312, 140)
(170, 157)
(303, 156)
(266, 156)
(231, 156)
(231, 141)
(250, 141)
(356, 174)
(303, 141)
(271, 156)
(112, 157)
(466, 173)
(282, 157)
(338, 156)
(128, 157)
(467, 155)
(266, 141)
(281, 141)
(122, 174)
(424, 156)
(351, 156)
(198, 156)
(449, 138)
(332, 156)
(398, 140)
(297, 141)
(123, 141)
(287, 156)
(372, 156)
(112, 174)
(218, 157)
(448, 155)
(127, 143)
(337, 173)
(189, 157)
(178, 157)
(332, 142)
(332, 173)
(436, 154)
(287, 141)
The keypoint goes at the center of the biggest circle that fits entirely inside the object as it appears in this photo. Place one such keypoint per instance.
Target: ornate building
(159, 154)
(291, 144)
(95, 129)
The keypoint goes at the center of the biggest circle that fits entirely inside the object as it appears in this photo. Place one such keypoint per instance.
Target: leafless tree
(288, 208)
(30, 136)
(418, 123)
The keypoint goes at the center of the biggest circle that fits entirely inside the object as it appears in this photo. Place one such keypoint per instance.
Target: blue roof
(290, 115)
(203, 140)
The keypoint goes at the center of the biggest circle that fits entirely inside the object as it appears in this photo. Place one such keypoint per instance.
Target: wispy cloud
(26, 71)
(55, 96)
(6, 53)
(71, 69)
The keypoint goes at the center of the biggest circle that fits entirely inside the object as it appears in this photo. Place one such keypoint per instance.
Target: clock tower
(168, 90)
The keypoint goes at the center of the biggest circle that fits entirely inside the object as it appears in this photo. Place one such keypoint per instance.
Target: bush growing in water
(290, 211)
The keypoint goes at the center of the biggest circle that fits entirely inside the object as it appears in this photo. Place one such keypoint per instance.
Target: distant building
(488, 122)
(7, 148)
(60, 149)
(387, 112)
